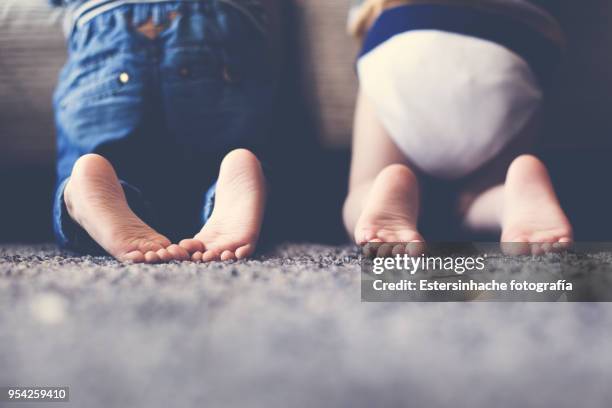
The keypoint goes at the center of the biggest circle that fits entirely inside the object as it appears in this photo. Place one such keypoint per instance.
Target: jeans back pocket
(100, 103)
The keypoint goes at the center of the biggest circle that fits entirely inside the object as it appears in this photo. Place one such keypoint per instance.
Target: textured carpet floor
(286, 329)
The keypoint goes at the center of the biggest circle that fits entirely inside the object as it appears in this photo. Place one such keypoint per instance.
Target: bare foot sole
(233, 228)
(533, 221)
(391, 211)
(96, 201)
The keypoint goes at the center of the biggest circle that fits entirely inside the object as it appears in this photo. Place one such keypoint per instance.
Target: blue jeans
(163, 91)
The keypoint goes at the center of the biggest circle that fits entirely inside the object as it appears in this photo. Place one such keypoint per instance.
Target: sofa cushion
(31, 54)
(327, 56)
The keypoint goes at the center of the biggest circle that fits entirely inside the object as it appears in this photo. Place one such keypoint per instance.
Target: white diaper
(451, 102)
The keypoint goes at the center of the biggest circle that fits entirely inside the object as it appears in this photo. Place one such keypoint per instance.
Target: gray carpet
(286, 329)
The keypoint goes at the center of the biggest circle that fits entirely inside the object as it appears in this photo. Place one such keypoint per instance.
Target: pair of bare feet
(531, 217)
(96, 201)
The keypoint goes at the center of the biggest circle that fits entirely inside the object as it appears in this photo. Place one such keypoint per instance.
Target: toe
(164, 255)
(416, 248)
(399, 249)
(368, 250)
(537, 249)
(368, 234)
(151, 257)
(369, 241)
(384, 250)
(192, 245)
(227, 256)
(363, 236)
(387, 236)
(244, 251)
(562, 245)
(197, 256)
(565, 243)
(210, 255)
(178, 253)
(134, 256)
(163, 241)
(546, 247)
(516, 247)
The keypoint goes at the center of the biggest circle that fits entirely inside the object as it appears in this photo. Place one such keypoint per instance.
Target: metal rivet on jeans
(124, 77)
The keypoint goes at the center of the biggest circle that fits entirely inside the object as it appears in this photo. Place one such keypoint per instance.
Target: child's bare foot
(391, 211)
(96, 201)
(233, 228)
(533, 221)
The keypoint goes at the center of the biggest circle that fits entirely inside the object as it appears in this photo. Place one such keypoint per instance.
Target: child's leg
(383, 200)
(233, 228)
(96, 201)
(525, 207)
